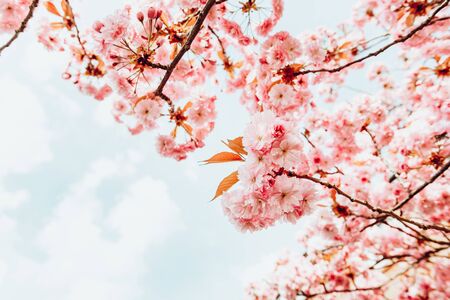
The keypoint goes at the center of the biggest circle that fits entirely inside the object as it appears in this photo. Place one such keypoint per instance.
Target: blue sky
(88, 211)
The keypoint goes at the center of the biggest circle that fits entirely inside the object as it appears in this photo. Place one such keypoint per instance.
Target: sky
(88, 211)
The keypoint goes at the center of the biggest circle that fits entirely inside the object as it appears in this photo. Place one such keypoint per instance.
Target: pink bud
(140, 16)
(158, 25)
(153, 13)
(98, 26)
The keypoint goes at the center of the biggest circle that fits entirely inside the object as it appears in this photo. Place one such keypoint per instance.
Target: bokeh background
(88, 211)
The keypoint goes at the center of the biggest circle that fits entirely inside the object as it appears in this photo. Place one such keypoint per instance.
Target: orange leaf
(191, 22)
(410, 20)
(236, 145)
(345, 45)
(296, 67)
(187, 106)
(221, 55)
(187, 128)
(333, 195)
(226, 184)
(57, 25)
(239, 64)
(174, 132)
(52, 8)
(223, 157)
(66, 8)
(174, 51)
(164, 19)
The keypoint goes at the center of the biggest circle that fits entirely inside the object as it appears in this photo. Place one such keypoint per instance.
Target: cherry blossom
(368, 171)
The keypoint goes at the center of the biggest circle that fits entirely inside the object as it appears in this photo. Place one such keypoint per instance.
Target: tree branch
(365, 203)
(424, 185)
(403, 39)
(22, 27)
(424, 256)
(187, 45)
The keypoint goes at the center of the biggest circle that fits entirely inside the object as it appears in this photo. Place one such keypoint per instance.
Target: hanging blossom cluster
(265, 194)
(154, 61)
(395, 137)
(368, 168)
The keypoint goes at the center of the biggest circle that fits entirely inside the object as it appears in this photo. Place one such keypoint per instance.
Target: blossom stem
(187, 45)
(429, 21)
(380, 211)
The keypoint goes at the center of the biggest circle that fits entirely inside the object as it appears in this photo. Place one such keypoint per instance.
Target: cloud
(91, 246)
(25, 137)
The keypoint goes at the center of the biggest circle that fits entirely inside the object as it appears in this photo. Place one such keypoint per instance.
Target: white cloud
(102, 114)
(93, 247)
(24, 134)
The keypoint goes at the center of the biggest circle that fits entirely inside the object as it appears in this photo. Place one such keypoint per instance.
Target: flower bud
(98, 26)
(158, 25)
(153, 13)
(140, 16)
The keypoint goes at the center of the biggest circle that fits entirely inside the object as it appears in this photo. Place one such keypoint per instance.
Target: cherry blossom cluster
(379, 265)
(369, 169)
(264, 196)
(135, 56)
(12, 12)
(373, 141)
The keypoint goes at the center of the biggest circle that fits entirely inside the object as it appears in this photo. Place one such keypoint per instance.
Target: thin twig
(22, 27)
(424, 256)
(187, 45)
(365, 203)
(400, 40)
(423, 186)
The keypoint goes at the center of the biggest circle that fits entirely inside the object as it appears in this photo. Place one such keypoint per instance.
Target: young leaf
(66, 8)
(223, 157)
(187, 128)
(236, 145)
(187, 106)
(226, 184)
(52, 8)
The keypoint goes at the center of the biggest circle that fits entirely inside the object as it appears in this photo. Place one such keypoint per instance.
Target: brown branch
(423, 186)
(424, 256)
(77, 30)
(387, 213)
(156, 65)
(400, 40)
(218, 39)
(187, 45)
(419, 236)
(22, 27)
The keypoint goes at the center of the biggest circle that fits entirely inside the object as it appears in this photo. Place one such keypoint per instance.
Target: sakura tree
(369, 171)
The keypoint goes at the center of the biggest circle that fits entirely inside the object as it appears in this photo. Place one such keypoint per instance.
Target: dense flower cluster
(129, 56)
(361, 166)
(263, 197)
(12, 12)
(323, 269)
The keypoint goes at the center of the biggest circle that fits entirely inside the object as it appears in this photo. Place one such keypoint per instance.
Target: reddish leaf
(66, 8)
(57, 25)
(187, 128)
(410, 20)
(174, 132)
(187, 106)
(223, 157)
(236, 145)
(52, 8)
(333, 195)
(226, 184)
